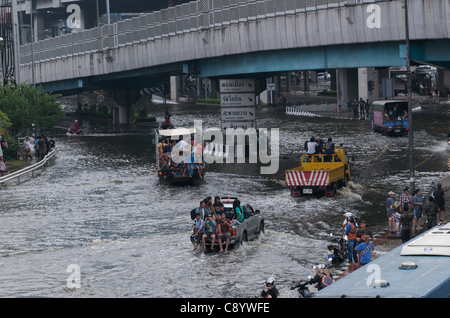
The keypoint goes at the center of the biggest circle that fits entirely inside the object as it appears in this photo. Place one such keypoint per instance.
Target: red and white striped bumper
(307, 178)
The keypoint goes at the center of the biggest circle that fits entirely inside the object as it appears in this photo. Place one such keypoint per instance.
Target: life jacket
(326, 280)
(352, 232)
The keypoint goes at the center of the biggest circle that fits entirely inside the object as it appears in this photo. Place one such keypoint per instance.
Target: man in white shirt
(312, 144)
(181, 144)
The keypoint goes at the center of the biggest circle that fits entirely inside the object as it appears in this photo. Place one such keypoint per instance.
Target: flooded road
(99, 206)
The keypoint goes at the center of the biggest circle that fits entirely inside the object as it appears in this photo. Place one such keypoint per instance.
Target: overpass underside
(262, 64)
(247, 39)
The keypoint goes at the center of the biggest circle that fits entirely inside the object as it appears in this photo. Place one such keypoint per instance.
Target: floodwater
(99, 206)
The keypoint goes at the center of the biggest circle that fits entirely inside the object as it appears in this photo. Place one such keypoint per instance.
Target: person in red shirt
(76, 126)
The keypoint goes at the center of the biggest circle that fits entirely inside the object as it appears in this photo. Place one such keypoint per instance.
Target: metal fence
(195, 16)
(28, 170)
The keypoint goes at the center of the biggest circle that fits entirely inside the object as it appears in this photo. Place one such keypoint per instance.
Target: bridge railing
(195, 16)
(31, 169)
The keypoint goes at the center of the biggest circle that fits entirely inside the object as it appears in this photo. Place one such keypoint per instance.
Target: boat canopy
(176, 132)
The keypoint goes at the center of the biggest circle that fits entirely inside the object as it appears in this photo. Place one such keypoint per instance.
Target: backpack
(193, 213)
(353, 229)
(327, 280)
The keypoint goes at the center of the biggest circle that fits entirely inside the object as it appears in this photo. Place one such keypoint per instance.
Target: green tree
(25, 106)
(4, 123)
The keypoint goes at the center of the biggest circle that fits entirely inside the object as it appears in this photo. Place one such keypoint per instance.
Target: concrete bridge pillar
(348, 85)
(277, 81)
(288, 82)
(306, 81)
(39, 28)
(174, 88)
(444, 82)
(122, 115)
(333, 80)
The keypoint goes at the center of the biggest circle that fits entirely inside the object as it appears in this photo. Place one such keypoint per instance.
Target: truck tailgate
(301, 178)
(317, 178)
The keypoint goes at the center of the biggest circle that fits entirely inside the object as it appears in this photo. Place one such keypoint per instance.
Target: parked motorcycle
(339, 251)
(302, 288)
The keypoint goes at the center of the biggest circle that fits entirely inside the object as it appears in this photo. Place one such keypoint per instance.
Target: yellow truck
(319, 174)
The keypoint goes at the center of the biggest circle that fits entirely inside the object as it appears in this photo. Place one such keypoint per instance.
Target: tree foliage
(5, 123)
(25, 106)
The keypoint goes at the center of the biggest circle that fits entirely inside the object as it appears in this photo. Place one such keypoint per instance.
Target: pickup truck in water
(319, 175)
(249, 229)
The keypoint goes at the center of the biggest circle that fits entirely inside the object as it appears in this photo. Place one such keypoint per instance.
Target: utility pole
(32, 44)
(411, 133)
(108, 11)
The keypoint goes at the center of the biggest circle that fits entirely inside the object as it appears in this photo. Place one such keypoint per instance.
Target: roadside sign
(237, 100)
(242, 124)
(101, 98)
(237, 85)
(270, 87)
(238, 114)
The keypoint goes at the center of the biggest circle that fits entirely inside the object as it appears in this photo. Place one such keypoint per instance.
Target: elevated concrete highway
(253, 36)
(232, 38)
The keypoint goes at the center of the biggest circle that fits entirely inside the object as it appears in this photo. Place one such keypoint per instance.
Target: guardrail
(31, 169)
(195, 16)
(445, 182)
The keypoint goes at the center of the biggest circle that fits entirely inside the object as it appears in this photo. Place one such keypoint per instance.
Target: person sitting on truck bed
(238, 212)
(330, 151)
(312, 144)
(218, 206)
(165, 163)
(198, 231)
(210, 231)
(224, 233)
(395, 112)
(319, 147)
(387, 116)
(405, 115)
(178, 162)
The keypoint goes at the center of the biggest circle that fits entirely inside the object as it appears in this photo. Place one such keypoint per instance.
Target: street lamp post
(108, 11)
(32, 44)
(411, 133)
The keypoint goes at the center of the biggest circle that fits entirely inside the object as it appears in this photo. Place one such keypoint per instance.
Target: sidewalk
(390, 241)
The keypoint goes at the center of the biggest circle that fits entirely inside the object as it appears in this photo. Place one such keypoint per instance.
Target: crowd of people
(404, 216)
(212, 220)
(360, 109)
(42, 146)
(175, 160)
(359, 240)
(394, 112)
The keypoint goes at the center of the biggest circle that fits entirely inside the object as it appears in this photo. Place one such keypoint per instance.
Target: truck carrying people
(179, 161)
(391, 118)
(322, 170)
(224, 223)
